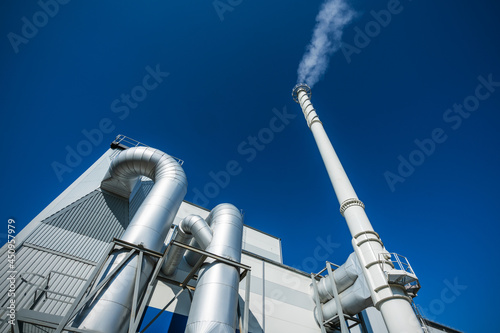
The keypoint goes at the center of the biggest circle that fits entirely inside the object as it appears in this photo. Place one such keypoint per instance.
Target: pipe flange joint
(298, 87)
(349, 203)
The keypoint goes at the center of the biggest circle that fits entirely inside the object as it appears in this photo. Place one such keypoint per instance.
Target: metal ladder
(416, 309)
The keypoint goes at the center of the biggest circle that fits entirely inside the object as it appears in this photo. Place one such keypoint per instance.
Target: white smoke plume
(326, 40)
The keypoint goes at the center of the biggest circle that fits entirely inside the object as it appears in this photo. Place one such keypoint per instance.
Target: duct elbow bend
(196, 226)
(227, 226)
(152, 221)
(190, 226)
(110, 311)
(134, 162)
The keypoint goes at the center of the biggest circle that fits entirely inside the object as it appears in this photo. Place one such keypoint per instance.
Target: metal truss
(92, 288)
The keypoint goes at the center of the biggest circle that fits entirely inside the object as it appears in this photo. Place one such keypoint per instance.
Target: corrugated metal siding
(85, 228)
(33, 267)
(98, 215)
(71, 243)
(140, 195)
(65, 246)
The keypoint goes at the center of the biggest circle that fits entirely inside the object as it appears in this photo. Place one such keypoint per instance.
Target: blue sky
(230, 73)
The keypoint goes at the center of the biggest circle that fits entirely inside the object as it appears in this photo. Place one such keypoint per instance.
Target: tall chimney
(390, 299)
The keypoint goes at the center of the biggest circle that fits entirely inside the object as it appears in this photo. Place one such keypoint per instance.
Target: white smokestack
(326, 40)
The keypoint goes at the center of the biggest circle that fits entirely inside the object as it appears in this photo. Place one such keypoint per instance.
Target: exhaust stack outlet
(390, 299)
(215, 301)
(110, 310)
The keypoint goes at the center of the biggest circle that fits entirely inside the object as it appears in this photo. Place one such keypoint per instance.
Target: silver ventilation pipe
(344, 277)
(110, 310)
(191, 226)
(192, 257)
(216, 296)
(354, 299)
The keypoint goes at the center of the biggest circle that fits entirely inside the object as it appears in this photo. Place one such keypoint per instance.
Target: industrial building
(120, 250)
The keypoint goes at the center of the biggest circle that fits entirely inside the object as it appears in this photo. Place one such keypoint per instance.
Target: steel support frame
(245, 272)
(89, 291)
(340, 312)
(344, 328)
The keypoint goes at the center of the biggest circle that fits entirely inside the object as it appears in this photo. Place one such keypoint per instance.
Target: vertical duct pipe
(389, 299)
(216, 296)
(190, 226)
(110, 310)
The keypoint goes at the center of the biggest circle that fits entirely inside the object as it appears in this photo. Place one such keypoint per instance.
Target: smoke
(326, 40)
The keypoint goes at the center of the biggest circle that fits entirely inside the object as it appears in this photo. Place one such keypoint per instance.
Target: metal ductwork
(110, 310)
(350, 284)
(191, 226)
(192, 257)
(215, 301)
(344, 277)
(354, 299)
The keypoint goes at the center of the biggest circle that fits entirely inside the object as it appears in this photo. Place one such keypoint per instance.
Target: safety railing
(123, 142)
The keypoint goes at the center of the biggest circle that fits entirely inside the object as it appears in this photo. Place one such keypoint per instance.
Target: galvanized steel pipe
(111, 308)
(215, 301)
(190, 226)
(344, 277)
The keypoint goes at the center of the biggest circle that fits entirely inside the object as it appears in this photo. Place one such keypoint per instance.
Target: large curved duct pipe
(354, 299)
(192, 257)
(216, 296)
(110, 310)
(344, 277)
(191, 226)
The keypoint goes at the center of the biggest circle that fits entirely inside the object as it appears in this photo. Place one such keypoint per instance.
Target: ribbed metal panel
(68, 242)
(29, 328)
(67, 276)
(140, 195)
(97, 215)
(64, 247)
(85, 228)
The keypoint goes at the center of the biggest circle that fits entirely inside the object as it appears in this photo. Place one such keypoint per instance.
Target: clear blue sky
(227, 73)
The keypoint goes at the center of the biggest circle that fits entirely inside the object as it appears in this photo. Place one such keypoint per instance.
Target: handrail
(127, 142)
